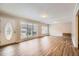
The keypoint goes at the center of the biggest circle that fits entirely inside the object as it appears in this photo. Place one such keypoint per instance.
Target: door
(8, 30)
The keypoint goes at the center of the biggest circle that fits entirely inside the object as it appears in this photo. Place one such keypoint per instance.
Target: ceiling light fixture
(44, 16)
(55, 22)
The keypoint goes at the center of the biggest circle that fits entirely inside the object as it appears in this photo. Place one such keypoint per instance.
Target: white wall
(58, 29)
(75, 32)
(75, 27)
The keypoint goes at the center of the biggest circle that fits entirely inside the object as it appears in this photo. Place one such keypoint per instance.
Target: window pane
(35, 30)
(29, 30)
(45, 30)
(23, 30)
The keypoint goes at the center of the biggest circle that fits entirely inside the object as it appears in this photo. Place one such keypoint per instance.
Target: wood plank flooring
(45, 46)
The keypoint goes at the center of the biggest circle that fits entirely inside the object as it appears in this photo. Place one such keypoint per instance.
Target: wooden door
(9, 33)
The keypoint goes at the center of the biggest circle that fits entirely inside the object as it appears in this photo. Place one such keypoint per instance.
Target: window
(8, 31)
(34, 30)
(29, 30)
(45, 30)
(23, 30)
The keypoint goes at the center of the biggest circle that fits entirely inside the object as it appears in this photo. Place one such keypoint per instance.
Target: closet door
(9, 31)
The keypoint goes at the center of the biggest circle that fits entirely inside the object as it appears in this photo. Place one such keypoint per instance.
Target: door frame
(77, 15)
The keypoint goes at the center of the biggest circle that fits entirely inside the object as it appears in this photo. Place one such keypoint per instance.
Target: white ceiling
(56, 12)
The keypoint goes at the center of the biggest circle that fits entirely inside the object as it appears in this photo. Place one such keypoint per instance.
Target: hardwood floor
(46, 46)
